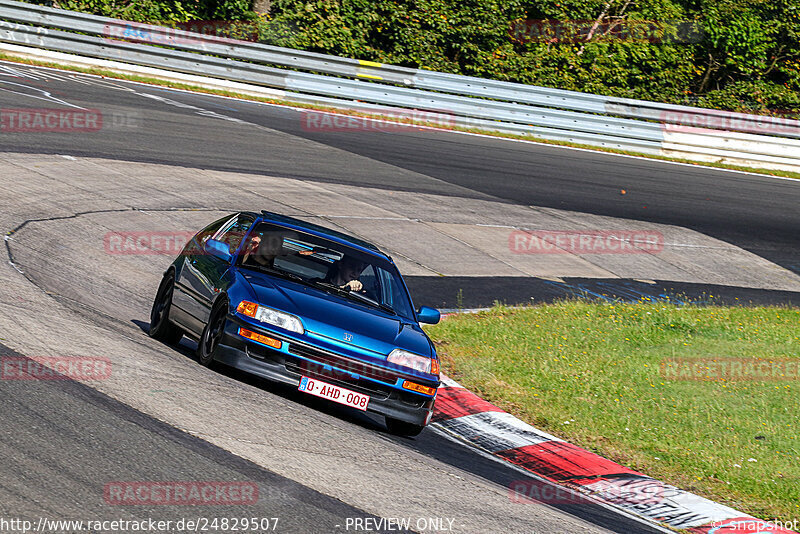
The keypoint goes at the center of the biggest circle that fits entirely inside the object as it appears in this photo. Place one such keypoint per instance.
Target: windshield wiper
(352, 295)
(280, 272)
(364, 298)
(387, 308)
(381, 305)
(335, 288)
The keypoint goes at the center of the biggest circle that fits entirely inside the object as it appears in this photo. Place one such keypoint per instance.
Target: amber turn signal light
(266, 340)
(247, 308)
(419, 388)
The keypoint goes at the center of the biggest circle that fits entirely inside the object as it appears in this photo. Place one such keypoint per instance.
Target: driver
(345, 274)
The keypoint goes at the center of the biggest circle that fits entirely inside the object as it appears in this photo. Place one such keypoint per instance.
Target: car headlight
(266, 315)
(419, 363)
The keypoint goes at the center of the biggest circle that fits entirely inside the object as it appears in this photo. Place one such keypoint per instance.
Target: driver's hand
(354, 285)
(253, 246)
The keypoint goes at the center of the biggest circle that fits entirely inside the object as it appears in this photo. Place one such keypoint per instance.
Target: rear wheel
(212, 334)
(161, 328)
(402, 428)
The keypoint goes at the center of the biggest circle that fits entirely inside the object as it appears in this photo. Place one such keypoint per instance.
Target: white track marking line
(48, 97)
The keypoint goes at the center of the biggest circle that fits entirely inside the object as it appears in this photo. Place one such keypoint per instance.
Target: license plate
(333, 393)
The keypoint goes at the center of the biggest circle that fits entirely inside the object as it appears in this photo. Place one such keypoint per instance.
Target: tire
(212, 334)
(401, 428)
(161, 328)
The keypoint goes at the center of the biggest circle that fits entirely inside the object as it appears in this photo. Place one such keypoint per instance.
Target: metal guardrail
(471, 102)
(306, 83)
(421, 79)
(195, 42)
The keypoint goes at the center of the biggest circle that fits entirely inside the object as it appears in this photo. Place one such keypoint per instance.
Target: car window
(194, 246)
(392, 293)
(305, 267)
(328, 265)
(371, 284)
(212, 228)
(234, 231)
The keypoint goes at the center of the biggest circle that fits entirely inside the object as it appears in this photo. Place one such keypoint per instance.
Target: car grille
(332, 376)
(346, 364)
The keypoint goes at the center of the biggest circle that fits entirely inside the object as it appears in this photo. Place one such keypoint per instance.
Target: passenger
(263, 251)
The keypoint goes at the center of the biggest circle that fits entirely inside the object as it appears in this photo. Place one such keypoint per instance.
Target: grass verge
(199, 89)
(613, 378)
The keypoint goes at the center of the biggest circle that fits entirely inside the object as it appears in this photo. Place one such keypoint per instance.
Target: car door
(204, 275)
(185, 306)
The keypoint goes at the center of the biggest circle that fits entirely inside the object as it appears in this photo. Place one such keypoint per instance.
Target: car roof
(321, 231)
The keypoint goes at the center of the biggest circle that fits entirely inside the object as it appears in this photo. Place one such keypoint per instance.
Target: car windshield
(327, 265)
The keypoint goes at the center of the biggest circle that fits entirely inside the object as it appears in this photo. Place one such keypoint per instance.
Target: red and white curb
(468, 417)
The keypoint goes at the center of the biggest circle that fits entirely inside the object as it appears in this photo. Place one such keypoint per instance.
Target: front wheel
(161, 328)
(402, 428)
(212, 334)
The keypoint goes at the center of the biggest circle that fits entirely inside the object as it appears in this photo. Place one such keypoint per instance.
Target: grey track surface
(97, 304)
(757, 213)
(71, 439)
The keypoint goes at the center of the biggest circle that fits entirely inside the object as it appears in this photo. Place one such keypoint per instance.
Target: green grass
(232, 94)
(590, 373)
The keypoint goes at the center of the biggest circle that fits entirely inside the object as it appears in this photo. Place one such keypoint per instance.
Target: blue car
(307, 306)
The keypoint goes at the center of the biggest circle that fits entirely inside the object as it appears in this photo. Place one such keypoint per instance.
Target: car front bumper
(289, 367)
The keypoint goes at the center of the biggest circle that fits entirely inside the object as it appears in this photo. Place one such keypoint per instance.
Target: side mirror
(428, 315)
(219, 249)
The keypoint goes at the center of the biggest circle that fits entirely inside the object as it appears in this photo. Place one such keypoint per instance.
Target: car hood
(337, 321)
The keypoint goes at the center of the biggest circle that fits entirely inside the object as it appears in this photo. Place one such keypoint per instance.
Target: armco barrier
(313, 84)
(540, 112)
